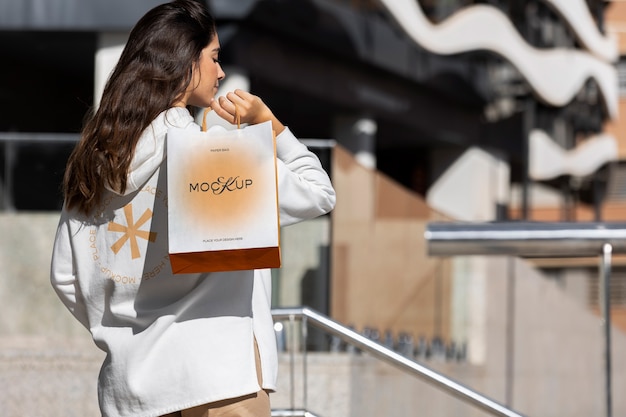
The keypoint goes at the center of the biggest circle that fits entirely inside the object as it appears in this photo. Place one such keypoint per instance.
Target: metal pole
(529, 123)
(292, 360)
(304, 362)
(605, 275)
(510, 333)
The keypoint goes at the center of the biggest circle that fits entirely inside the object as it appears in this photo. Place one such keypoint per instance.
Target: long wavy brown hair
(154, 70)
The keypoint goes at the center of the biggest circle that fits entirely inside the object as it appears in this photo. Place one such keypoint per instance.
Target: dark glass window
(46, 87)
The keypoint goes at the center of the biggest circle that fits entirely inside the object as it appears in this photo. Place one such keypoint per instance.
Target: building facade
(454, 110)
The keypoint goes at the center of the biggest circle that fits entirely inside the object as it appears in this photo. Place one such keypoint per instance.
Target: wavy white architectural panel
(548, 160)
(578, 17)
(471, 187)
(555, 75)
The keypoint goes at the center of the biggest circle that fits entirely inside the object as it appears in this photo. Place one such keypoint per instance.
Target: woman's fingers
(247, 106)
(217, 108)
(245, 102)
(225, 109)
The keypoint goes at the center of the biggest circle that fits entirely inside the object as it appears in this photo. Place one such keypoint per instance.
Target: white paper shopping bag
(222, 199)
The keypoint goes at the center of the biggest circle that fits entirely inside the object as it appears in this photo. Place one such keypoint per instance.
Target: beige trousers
(253, 405)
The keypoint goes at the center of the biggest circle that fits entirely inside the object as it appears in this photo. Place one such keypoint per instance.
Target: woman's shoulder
(174, 117)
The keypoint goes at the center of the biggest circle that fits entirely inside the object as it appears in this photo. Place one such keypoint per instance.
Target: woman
(175, 345)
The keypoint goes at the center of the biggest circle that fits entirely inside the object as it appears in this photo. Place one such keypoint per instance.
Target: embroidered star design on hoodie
(131, 231)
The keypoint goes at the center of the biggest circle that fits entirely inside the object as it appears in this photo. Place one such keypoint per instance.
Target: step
(292, 413)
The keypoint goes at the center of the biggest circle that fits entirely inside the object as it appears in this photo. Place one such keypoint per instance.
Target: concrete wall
(381, 274)
(48, 364)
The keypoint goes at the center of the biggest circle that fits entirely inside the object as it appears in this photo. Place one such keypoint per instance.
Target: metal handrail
(28, 137)
(524, 239)
(383, 353)
(539, 239)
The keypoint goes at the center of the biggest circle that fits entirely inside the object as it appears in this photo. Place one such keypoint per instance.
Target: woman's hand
(250, 108)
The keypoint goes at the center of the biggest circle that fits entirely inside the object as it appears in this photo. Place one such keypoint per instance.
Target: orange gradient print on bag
(223, 187)
(222, 199)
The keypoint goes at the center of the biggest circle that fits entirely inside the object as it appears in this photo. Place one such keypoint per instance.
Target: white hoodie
(173, 341)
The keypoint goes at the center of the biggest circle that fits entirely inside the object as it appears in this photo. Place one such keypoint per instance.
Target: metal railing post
(304, 362)
(605, 282)
(292, 363)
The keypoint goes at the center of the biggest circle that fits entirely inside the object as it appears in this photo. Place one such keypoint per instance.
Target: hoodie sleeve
(63, 272)
(304, 188)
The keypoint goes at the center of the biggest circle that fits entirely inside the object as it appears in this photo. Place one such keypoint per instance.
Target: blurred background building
(421, 110)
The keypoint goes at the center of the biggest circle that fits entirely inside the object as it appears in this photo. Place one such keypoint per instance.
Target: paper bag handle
(208, 109)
